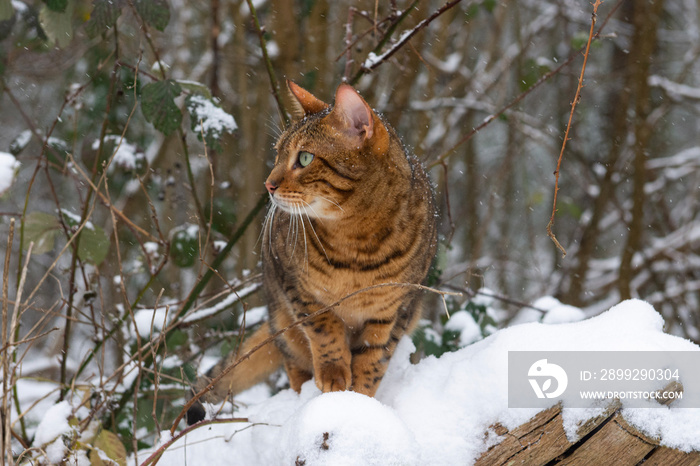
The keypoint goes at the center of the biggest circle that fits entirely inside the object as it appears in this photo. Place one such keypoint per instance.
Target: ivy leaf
(104, 16)
(153, 12)
(158, 105)
(208, 120)
(41, 228)
(58, 6)
(58, 26)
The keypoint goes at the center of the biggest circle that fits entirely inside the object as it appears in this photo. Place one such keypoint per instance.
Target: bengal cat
(350, 210)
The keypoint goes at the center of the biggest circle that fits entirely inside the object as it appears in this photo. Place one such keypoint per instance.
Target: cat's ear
(353, 113)
(355, 118)
(304, 102)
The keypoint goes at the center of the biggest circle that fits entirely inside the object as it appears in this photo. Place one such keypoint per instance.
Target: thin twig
(577, 98)
(155, 456)
(6, 413)
(274, 85)
(348, 44)
(521, 96)
(405, 37)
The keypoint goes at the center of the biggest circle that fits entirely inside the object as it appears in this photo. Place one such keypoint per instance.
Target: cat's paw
(334, 377)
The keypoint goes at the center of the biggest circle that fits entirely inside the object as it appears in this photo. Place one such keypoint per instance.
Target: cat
(349, 210)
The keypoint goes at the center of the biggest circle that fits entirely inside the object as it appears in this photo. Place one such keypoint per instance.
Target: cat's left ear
(304, 102)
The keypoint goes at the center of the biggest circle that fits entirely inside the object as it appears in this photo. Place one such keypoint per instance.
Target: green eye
(305, 158)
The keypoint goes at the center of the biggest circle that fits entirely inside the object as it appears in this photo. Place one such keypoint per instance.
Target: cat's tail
(250, 371)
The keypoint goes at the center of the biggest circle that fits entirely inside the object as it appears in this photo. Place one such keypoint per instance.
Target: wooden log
(616, 442)
(664, 456)
(605, 439)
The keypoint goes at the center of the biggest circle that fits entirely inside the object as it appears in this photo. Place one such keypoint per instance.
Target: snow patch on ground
(437, 411)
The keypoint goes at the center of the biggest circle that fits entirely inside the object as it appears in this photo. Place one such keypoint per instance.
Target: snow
(438, 411)
(76, 219)
(8, 169)
(231, 298)
(468, 329)
(314, 437)
(210, 118)
(54, 424)
(126, 155)
(549, 311)
(253, 316)
(675, 90)
(149, 321)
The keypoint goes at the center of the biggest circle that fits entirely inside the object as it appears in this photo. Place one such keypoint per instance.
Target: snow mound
(438, 411)
(327, 427)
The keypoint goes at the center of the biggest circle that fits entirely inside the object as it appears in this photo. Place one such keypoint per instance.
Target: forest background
(137, 135)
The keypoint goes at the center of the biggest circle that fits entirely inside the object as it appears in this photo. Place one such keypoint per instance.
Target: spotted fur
(359, 214)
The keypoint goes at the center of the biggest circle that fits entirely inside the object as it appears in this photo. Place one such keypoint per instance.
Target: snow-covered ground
(437, 411)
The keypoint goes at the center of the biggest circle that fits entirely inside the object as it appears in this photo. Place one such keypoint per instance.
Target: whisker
(266, 223)
(312, 210)
(294, 221)
(301, 220)
(311, 225)
(332, 202)
(272, 219)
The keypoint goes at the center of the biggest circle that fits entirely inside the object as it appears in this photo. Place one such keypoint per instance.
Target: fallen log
(605, 439)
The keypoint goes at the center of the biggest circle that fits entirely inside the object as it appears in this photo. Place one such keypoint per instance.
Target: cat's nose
(271, 186)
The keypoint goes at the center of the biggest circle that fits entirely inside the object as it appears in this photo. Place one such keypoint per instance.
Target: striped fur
(361, 213)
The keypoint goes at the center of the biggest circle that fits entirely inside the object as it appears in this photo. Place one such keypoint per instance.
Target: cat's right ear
(304, 103)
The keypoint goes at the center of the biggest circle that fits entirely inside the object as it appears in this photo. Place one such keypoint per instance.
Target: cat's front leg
(330, 352)
(370, 356)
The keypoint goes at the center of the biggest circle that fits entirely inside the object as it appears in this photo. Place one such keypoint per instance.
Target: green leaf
(158, 105)
(196, 88)
(224, 215)
(175, 338)
(110, 444)
(209, 121)
(490, 5)
(579, 40)
(58, 26)
(104, 16)
(154, 12)
(59, 154)
(184, 247)
(58, 6)
(41, 228)
(190, 372)
(6, 10)
(530, 73)
(94, 243)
